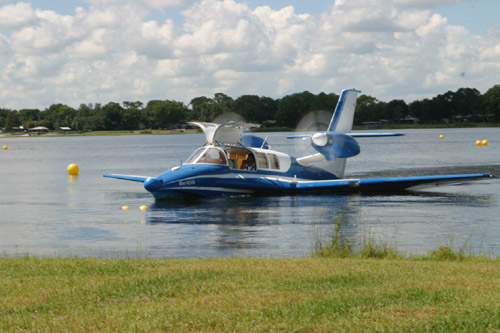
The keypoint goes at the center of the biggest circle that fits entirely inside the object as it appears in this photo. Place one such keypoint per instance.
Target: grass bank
(235, 294)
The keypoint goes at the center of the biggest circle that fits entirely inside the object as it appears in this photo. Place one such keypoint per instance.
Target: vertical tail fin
(341, 122)
(334, 141)
(343, 116)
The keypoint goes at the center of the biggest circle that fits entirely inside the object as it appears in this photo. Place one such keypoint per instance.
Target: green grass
(235, 294)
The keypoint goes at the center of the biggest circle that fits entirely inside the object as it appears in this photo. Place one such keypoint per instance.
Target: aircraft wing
(133, 178)
(389, 183)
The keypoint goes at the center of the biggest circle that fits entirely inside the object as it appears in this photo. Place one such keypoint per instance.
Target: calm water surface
(43, 211)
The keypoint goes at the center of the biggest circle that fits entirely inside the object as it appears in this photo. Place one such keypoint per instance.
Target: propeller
(331, 145)
(231, 116)
(313, 121)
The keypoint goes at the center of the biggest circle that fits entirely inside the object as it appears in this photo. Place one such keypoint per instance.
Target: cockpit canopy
(239, 157)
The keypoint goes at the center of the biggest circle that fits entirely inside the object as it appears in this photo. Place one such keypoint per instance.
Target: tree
(29, 117)
(467, 101)
(368, 109)
(256, 109)
(112, 116)
(133, 116)
(12, 120)
(325, 101)
(291, 107)
(164, 114)
(89, 118)
(207, 109)
(201, 108)
(223, 99)
(438, 109)
(58, 115)
(395, 110)
(3, 115)
(491, 101)
(416, 109)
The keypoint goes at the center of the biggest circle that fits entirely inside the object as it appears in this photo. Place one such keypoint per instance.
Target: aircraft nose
(152, 184)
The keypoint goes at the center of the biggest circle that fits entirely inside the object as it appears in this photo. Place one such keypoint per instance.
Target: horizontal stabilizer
(353, 134)
(304, 136)
(133, 178)
(371, 135)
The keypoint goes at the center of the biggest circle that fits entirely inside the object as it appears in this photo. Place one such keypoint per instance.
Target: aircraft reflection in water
(250, 227)
(235, 163)
(255, 211)
(291, 225)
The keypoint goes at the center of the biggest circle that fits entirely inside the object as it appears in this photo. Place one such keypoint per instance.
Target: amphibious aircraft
(232, 162)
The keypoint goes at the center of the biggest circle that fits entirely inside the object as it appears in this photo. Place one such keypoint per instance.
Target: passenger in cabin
(249, 163)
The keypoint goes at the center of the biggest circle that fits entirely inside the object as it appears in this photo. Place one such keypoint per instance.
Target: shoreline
(102, 133)
(258, 130)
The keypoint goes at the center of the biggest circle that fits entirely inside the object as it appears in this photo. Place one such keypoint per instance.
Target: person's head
(250, 158)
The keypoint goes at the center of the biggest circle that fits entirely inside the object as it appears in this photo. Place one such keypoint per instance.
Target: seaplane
(235, 162)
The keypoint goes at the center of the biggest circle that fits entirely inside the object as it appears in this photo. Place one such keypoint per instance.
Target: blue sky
(120, 50)
(476, 16)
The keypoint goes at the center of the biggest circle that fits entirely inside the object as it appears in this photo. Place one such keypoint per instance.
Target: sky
(99, 51)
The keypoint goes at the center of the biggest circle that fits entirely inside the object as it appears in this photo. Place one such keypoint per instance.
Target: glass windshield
(194, 156)
(208, 155)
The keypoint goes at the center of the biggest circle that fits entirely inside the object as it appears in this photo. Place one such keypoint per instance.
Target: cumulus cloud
(114, 51)
(154, 4)
(16, 15)
(160, 4)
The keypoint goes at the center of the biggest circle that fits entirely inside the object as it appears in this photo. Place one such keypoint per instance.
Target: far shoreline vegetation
(466, 107)
(257, 130)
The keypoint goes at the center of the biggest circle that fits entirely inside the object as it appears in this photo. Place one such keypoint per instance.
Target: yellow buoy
(441, 136)
(5, 147)
(485, 142)
(478, 143)
(125, 207)
(73, 169)
(143, 207)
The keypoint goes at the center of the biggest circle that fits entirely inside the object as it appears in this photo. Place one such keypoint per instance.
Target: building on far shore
(38, 130)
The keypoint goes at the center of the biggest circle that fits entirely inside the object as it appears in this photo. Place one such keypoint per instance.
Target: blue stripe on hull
(212, 186)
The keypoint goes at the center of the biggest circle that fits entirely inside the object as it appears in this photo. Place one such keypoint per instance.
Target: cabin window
(274, 161)
(262, 160)
(268, 161)
(239, 158)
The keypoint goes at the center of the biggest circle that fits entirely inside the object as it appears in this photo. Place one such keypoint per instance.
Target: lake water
(43, 211)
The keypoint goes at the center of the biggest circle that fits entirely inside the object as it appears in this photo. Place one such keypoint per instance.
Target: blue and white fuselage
(227, 174)
(235, 163)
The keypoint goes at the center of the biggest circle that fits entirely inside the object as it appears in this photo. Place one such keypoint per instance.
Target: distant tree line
(465, 104)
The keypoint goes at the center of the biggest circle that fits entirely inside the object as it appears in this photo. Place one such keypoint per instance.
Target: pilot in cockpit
(249, 163)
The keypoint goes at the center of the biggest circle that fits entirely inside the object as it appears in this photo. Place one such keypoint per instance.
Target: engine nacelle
(335, 145)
